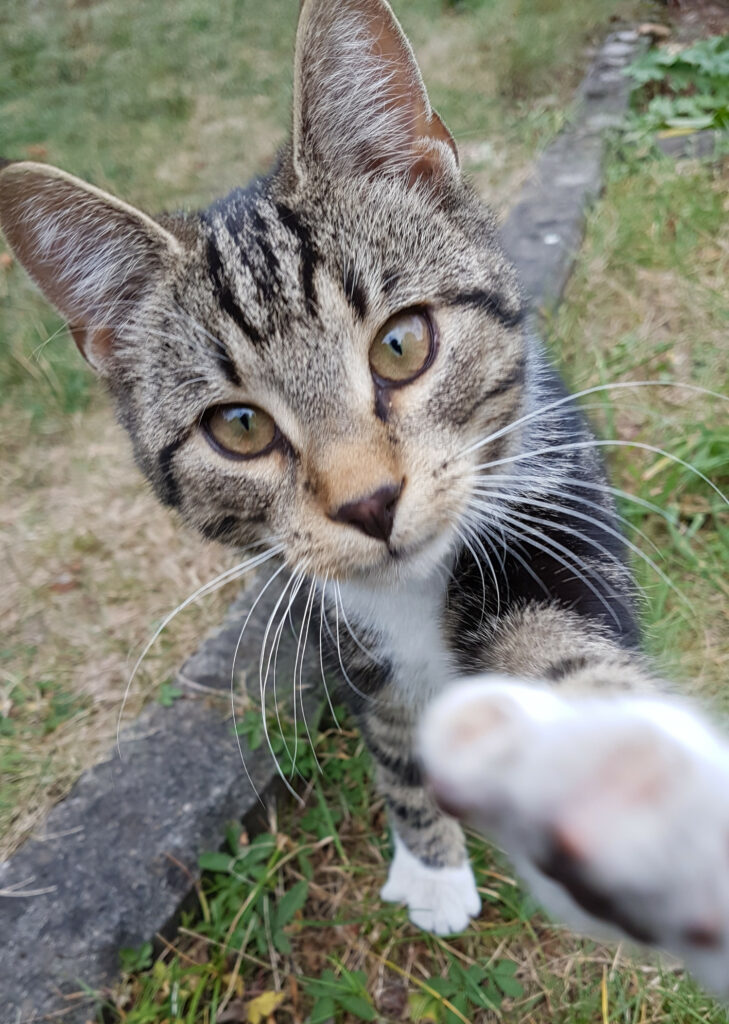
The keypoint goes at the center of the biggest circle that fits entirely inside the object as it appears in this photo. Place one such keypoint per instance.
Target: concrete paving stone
(120, 853)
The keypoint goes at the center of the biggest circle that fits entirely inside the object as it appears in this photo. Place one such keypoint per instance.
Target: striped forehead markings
(224, 295)
(309, 255)
(501, 307)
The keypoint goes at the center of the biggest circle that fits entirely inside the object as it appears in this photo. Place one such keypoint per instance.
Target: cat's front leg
(614, 810)
(430, 872)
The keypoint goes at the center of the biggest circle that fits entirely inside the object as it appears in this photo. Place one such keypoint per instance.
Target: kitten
(333, 364)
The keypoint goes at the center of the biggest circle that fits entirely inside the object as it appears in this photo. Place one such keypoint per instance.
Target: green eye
(240, 431)
(403, 348)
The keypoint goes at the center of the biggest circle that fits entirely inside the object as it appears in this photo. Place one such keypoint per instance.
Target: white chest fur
(408, 620)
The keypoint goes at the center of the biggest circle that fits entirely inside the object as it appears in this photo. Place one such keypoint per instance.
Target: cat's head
(308, 359)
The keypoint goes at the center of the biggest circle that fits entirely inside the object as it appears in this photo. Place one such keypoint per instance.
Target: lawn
(169, 105)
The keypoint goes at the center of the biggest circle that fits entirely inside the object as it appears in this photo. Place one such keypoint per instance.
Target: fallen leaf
(64, 582)
(654, 29)
(263, 1006)
(235, 982)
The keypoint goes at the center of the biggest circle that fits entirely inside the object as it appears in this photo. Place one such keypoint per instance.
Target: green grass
(293, 917)
(648, 302)
(169, 105)
(684, 90)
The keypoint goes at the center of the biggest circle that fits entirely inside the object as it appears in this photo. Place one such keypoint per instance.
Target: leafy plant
(134, 959)
(168, 694)
(336, 993)
(681, 91)
(242, 896)
(292, 743)
(455, 997)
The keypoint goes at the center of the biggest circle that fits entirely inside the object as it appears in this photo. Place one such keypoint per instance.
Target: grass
(648, 302)
(291, 921)
(169, 105)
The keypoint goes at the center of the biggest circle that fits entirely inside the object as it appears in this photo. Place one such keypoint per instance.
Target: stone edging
(543, 231)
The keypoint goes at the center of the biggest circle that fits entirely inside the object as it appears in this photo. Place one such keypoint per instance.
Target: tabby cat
(333, 364)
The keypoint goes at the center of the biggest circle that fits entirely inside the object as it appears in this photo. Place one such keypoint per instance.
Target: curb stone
(543, 231)
(119, 854)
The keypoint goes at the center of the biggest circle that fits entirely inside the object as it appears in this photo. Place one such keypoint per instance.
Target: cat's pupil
(243, 418)
(395, 343)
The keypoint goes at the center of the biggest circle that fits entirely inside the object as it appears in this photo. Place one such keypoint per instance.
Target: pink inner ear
(408, 100)
(361, 105)
(93, 256)
(95, 345)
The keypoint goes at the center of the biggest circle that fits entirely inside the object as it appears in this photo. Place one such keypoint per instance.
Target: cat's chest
(406, 624)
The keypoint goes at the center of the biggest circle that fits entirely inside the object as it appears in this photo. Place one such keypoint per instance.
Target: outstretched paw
(616, 812)
(439, 900)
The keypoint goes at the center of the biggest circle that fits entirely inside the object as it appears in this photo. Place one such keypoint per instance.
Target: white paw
(439, 900)
(616, 811)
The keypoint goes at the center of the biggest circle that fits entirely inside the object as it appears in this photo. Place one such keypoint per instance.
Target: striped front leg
(430, 872)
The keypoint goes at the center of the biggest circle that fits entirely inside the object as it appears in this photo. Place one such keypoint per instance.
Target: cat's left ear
(95, 257)
(360, 105)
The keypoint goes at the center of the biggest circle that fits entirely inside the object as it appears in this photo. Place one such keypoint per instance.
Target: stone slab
(543, 231)
(120, 854)
(694, 146)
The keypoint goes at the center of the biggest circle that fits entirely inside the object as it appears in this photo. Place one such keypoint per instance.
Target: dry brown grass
(90, 563)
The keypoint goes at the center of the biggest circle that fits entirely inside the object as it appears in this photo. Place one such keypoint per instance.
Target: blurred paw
(616, 812)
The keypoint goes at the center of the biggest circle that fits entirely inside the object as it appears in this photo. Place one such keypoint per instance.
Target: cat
(334, 365)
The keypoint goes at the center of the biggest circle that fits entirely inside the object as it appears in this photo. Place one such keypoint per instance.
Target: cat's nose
(373, 515)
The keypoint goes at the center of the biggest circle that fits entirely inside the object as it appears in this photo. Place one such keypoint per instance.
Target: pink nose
(373, 515)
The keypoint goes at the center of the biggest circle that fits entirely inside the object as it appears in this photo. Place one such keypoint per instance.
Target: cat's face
(306, 361)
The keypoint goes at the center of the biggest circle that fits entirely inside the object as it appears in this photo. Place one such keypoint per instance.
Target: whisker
(617, 386)
(553, 548)
(549, 487)
(355, 689)
(507, 547)
(321, 654)
(478, 539)
(225, 577)
(186, 384)
(296, 580)
(307, 620)
(605, 527)
(600, 443)
(36, 353)
(461, 534)
(185, 318)
(365, 650)
(232, 674)
(295, 583)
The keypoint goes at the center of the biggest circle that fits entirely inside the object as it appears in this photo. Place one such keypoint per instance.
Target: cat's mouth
(424, 553)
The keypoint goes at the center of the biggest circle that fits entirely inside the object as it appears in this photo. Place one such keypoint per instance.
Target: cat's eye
(403, 348)
(240, 431)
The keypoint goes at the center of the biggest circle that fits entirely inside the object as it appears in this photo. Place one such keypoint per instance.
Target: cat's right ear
(360, 105)
(94, 257)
